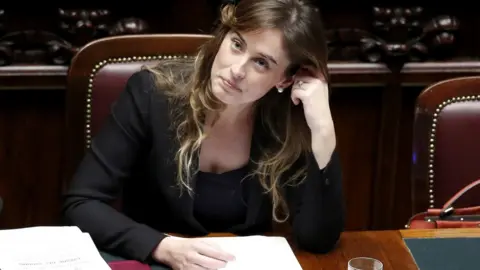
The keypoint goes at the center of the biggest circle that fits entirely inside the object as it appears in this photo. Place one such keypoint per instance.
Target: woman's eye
(262, 63)
(236, 45)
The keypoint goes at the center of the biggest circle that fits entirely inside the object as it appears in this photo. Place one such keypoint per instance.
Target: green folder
(445, 253)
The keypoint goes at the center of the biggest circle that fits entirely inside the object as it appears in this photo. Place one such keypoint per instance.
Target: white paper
(258, 252)
(42, 248)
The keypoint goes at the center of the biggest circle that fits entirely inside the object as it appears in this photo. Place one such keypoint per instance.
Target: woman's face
(248, 65)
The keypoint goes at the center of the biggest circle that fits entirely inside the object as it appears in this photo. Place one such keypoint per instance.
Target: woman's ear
(289, 76)
(285, 83)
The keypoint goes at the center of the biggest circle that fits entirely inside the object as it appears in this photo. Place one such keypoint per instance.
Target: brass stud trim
(93, 73)
(431, 145)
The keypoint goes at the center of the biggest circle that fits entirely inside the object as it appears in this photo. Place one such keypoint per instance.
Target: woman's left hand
(311, 90)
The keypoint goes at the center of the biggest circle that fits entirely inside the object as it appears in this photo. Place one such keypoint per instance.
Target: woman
(225, 143)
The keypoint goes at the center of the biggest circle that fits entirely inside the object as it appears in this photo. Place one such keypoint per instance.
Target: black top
(220, 200)
(132, 156)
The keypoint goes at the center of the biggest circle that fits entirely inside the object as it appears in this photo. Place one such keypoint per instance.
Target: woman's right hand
(191, 254)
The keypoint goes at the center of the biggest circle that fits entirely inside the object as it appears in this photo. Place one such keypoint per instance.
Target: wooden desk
(386, 246)
(441, 233)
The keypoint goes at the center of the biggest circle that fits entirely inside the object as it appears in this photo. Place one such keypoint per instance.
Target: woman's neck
(232, 116)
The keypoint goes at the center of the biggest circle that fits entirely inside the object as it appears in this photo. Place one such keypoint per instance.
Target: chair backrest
(99, 72)
(446, 143)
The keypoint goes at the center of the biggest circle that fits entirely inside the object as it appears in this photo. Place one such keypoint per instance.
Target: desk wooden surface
(441, 233)
(386, 246)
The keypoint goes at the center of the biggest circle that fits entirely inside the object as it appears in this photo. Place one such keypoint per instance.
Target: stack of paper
(258, 252)
(57, 248)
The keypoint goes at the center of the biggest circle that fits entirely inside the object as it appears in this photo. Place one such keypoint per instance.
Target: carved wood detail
(76, 27)
(396, 36)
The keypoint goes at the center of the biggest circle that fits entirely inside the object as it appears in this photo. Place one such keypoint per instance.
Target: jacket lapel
(256, 199)
(182, 204)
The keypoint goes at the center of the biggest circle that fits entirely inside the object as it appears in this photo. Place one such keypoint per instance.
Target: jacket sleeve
(317, 207)
(107, 163)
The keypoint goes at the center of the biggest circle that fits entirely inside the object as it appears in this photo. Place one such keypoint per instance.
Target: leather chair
(446, 143)
(98, 73)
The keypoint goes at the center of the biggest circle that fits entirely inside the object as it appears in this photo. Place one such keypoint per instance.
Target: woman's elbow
(70, 207)
(319, 243)
(319, 238)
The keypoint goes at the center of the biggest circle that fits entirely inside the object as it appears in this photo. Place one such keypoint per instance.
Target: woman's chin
(226, 97)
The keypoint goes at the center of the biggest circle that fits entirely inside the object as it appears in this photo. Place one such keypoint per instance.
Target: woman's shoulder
(143, 95)
(167, 77)
(144, 85)
(158, 89)
(142, 80)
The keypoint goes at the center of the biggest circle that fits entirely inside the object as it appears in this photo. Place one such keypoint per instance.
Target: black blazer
(132, 156)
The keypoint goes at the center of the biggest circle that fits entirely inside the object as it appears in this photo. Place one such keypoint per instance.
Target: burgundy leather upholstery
(457, 158)
(97, 75)
(446, 152)
(108, 82)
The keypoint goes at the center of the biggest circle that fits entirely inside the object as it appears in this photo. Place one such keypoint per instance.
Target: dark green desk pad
(445, 253)
(111, 258)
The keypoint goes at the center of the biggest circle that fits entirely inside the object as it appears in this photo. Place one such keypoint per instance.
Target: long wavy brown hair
(187, 83)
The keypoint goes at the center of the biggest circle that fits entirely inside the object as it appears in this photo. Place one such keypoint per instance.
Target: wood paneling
(357, 122)
(31, 129)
